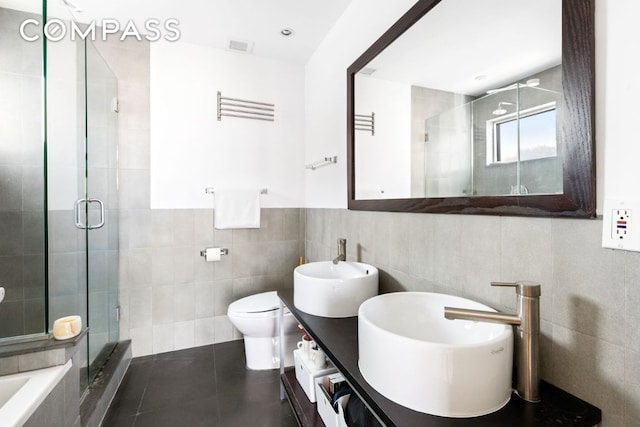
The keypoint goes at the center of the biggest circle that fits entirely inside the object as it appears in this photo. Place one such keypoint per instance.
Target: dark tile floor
(203, 386)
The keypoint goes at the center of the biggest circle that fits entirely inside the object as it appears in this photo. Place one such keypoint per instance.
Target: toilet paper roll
(212, 254)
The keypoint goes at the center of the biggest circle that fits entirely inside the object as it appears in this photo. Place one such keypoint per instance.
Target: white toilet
(256, 317)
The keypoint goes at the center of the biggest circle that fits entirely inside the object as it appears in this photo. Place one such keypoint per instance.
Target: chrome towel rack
(321, 163)
(365, 122)
(241, 108)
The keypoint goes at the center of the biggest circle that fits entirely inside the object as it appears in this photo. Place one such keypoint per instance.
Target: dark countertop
(339, 340)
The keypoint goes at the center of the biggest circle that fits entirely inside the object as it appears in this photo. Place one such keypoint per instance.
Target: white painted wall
(383, 166)
(211, 153)
(617, 91)
(191, 150)
(326, 94)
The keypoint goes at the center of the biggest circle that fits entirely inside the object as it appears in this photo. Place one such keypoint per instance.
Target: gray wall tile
(136, 266)
(184, 264)
(184, 301)
(40, 359)
(204, 293)
(161, 227)
(139, 307)
(136, 228)
(8, 365)
(184, 227)
(163, 306)
(588, 293)
(203, 228)
(632, 299)
(222, 296)
(162, 266)
(527, 254)
(11, 232)
(632, 388)
(574, 355)
(11, 187)
(33, 232)
(134, 189)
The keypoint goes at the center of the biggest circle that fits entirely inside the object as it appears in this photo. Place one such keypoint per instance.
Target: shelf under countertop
(339, 340)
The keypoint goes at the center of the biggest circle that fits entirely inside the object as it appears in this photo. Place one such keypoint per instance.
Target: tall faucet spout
(452, 313)
(527, 339)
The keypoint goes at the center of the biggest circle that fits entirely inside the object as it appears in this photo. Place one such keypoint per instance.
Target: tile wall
(590, 295)
(172, 299)
(21, 180)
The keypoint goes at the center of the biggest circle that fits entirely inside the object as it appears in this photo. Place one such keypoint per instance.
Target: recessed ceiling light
(533, 82)
(286, 32)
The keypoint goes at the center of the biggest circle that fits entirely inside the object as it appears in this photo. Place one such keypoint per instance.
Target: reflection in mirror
(465, 104)
(476, 106)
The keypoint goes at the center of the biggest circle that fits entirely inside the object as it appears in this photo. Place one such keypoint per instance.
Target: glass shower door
(82, 194)
(101, 208)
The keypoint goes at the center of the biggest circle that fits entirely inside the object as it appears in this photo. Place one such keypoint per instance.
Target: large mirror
(476, 106)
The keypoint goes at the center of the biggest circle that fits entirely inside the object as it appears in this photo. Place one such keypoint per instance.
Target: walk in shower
(58, 184)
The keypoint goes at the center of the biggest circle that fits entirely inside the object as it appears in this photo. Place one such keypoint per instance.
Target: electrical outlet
(1, 293)
(621, 224)
(618, 229)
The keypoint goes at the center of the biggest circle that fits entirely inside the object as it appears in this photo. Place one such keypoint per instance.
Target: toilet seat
(261, 305)
(257, 318)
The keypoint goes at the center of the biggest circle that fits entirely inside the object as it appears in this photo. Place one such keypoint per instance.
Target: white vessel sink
(415, 357)
(333, 290)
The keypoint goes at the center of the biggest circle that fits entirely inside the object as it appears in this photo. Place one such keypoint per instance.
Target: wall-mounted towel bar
(211, 190)
(321, 163)
(234, 107)
(365, 122)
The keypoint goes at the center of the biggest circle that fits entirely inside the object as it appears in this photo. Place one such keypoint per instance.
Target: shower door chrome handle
(78, 220)
(101, 223)
(76, 209)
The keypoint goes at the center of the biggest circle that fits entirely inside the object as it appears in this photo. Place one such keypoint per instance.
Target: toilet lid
(264, 304)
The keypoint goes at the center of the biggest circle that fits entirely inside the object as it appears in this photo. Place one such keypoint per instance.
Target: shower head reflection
(501, 110)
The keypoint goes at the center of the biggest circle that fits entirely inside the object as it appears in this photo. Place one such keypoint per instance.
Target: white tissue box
(329, 416)
(307, 376)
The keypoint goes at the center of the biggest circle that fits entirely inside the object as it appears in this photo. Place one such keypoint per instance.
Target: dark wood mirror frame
(577, 128)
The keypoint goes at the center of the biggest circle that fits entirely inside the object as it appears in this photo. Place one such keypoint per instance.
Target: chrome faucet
(342, 251)
(527, 321)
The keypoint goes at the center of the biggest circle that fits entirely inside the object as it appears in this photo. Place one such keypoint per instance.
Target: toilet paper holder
(223, 251)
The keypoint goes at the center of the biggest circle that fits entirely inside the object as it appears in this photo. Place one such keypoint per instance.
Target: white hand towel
(236, 209)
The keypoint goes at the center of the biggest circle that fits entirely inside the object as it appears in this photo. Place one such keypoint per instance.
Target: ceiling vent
(367, 71)
(240, 46)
